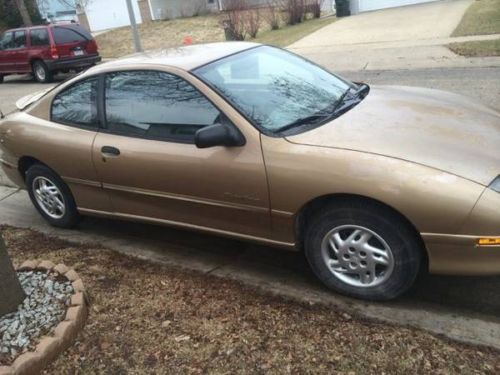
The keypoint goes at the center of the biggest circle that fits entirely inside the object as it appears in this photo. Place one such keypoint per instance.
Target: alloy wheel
(357, 256)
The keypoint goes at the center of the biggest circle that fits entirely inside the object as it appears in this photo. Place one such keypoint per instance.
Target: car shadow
(473, 295)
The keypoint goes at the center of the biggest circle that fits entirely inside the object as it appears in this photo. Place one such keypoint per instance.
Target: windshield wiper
(309, 120)
(350, 96)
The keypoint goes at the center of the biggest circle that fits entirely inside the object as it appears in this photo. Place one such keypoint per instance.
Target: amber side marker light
(488, 241)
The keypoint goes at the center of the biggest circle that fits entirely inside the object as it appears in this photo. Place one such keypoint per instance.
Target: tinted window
(39, 37)
(66, 35)
(156, 105)
(77, 104)
(7, 40)
(19, 39)
(273, 87)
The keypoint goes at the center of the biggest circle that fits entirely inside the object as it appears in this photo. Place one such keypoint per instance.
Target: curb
(63, 335)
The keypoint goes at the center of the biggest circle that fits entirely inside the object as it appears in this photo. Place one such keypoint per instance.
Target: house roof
(186, 57)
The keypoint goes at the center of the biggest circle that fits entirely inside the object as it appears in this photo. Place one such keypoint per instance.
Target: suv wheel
(40, 71)
(363, 250)
(51, 197)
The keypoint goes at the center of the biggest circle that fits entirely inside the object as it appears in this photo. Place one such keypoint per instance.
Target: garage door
(366, 5)
(108, 14)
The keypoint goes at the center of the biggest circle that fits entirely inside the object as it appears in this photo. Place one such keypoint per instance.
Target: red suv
(45, 50)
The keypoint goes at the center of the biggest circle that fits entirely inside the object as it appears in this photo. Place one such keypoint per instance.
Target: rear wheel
(51, 197)
(363, 250)
(41, 72)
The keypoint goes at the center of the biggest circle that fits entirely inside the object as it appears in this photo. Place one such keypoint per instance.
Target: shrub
(272, 14)
(252, 22)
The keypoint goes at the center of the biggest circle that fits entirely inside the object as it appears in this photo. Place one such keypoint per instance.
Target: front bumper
(73, 62)
(11, 172)
(460, 255)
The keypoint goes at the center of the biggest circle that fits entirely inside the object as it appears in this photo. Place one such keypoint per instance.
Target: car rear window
(70, 34)
(39, 37)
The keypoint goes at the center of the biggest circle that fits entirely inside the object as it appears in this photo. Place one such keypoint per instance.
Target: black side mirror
(219, 135)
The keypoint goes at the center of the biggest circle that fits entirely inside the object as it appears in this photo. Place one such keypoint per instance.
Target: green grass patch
(479, 48)
(482, 17)
(290, 34)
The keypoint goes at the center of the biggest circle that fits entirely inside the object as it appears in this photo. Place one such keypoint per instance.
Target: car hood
(438, 129)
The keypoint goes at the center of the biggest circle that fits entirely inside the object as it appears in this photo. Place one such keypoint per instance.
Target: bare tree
(235, 13)
(75, 3)
(21, 6)
(252, 22)
(11, 292)
(272, 14)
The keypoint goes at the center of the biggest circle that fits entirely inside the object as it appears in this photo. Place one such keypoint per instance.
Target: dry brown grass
(480, 48)
(161, 34)
(202, 29)
(147, 319)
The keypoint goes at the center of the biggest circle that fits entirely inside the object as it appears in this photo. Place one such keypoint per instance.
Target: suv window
(156, 105)
(7, 41)
(77, 104)
(64, 35)
(19, 39)
(39, 37)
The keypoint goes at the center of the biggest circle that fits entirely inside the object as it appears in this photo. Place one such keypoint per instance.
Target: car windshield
(276, 89)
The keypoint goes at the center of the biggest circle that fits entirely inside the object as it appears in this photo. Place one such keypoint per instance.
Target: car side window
(39, 37)
(156, 105)
(7, 40)
(20, 39)
(76, 105)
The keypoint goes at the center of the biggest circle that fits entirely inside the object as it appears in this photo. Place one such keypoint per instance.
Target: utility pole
(133, 24)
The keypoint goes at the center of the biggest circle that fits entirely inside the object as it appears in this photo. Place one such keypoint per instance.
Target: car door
(65, 144)
(20, 52)
(147, 160)
(6, 55)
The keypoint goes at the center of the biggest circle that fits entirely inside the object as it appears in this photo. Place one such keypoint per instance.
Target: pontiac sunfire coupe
(253, 142)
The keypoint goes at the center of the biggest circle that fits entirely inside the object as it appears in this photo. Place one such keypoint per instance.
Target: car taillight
(53, 53)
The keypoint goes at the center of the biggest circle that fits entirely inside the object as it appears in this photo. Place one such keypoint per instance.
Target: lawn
(482, 17)
(479, 48)
(146, 318)
(202, 29)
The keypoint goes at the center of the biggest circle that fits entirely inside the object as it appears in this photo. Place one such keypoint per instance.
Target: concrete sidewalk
(411, 37)
(463, 309)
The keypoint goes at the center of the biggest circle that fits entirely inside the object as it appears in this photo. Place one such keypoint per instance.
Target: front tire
(41, 72)
(363, 250)
(51, 197)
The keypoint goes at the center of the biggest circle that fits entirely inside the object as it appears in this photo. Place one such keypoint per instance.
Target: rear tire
(41, 72)
(363, 250)
(51, 197)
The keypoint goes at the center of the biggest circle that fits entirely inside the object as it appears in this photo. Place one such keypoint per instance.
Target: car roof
(185, 57)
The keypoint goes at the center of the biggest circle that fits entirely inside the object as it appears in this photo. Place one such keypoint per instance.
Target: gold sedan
(253, 142)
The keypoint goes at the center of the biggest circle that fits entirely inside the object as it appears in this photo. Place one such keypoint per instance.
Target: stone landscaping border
(63, 335)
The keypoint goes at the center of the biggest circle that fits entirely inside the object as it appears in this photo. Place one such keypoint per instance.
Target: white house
(358, 6)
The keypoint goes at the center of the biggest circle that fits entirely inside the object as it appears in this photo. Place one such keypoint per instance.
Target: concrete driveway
(424, 21)
(411, 37)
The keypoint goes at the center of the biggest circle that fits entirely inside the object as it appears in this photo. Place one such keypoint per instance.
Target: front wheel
(363, 250)
(51, 197)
